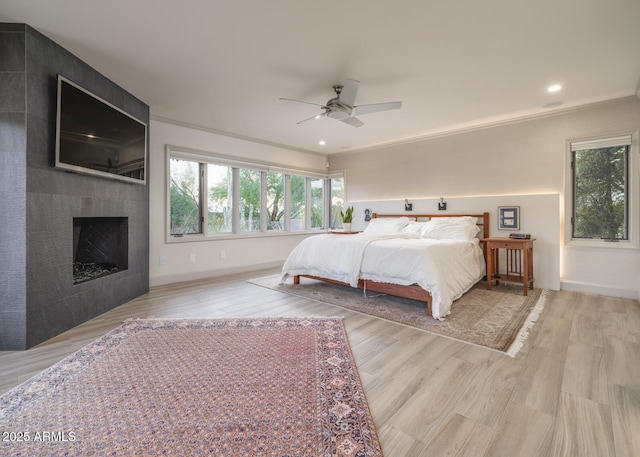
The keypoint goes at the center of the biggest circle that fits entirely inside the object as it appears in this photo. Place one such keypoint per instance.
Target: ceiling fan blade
(352, 121)
(313, 118)
(300, 101)
(375, 107)
(349, 92)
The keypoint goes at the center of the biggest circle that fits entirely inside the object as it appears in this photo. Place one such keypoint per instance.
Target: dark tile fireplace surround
(45, 211)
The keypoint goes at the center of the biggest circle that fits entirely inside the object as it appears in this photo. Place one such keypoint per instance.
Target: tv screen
(95, 137)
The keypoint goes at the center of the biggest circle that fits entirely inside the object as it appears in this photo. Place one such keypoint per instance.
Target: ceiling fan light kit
(343, 108)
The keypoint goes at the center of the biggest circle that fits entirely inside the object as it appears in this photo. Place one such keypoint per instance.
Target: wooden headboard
(483, 219)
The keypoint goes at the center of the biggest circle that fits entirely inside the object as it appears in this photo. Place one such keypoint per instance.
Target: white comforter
(445, 268)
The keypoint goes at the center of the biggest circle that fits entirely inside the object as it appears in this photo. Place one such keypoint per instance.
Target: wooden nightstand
(519, 264)
(342, 232)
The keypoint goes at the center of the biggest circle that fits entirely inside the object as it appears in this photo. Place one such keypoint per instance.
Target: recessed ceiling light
(322, 142)
(554, 88)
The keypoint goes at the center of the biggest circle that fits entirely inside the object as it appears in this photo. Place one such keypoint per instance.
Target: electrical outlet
(162, 260)
(192, 258)
(223, 255)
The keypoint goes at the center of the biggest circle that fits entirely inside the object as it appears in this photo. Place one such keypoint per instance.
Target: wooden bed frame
(414, 291)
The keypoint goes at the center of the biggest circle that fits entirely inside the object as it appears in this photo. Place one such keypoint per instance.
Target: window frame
(203, 157)
(632, 190)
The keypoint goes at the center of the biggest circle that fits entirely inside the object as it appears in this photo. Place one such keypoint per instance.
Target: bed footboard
(413, 292)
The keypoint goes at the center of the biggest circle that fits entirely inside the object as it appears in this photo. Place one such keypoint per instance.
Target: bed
(433, 258)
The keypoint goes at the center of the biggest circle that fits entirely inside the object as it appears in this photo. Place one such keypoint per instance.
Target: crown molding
(237, 136)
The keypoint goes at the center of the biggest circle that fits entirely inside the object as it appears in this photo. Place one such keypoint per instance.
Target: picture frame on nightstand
(508, 218)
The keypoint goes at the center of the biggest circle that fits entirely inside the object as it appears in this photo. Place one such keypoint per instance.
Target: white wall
(240, 255)
(518, 163)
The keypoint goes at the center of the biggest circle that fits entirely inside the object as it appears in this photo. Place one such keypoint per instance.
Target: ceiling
(223, 64)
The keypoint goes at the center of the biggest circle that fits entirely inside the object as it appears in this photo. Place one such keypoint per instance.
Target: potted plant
(347, 218)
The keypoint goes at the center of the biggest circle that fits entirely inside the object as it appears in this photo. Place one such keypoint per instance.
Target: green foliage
(275, 201)
(220, 196)
(337, 201)
(317, 202)
(185, 200)
(250, 185)
(347, 215)
(600, 193)
(298, 192)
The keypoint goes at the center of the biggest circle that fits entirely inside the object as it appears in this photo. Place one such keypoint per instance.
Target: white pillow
(451, 228)
(382, 225)
(414, 228)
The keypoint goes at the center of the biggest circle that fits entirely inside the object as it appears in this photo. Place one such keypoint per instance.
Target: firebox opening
(100, 247)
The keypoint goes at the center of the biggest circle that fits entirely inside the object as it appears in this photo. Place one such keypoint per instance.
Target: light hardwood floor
(573, 390)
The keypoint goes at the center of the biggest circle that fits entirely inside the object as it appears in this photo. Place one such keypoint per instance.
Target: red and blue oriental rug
(228, 387)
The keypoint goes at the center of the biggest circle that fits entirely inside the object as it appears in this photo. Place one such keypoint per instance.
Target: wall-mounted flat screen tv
(95, 137)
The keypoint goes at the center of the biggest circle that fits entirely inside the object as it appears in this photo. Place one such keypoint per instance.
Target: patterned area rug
(229, 387)
(499, 319)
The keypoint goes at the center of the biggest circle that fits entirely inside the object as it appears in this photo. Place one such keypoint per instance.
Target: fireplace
(100, 247)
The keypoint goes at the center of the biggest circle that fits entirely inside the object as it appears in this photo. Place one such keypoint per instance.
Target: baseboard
(193, 276)
(599, 289)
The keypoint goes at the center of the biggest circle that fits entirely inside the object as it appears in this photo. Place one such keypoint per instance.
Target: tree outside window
(337, 201)
(298, 200)
(317, 202)
(600, 180)
(209, 196)
(220, 202)
(250, 193)
(275, 201)
(184, 189)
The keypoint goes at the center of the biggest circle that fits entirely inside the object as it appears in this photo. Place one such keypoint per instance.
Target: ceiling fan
(342, 107)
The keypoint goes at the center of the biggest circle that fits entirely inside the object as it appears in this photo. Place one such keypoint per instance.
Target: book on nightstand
(520, 236)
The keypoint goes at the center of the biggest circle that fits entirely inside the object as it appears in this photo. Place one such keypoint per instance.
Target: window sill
(241, 236)
(600, 245)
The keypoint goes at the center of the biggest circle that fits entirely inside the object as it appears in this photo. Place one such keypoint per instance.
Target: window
(275, 201)
(317, 202)
(220, 193)
(336, 200)
(600, 170)
(184, 190)
(250, 185)
(298, 200)
(213, 196)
